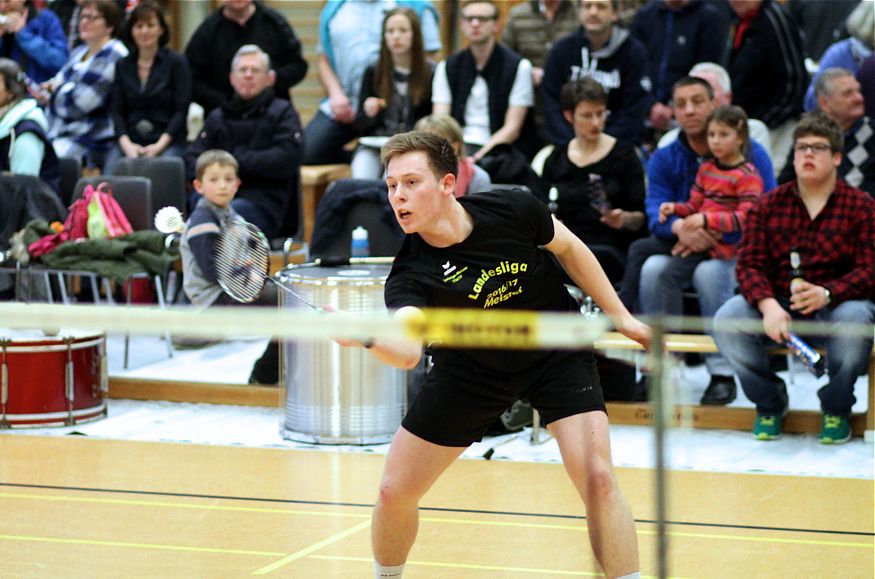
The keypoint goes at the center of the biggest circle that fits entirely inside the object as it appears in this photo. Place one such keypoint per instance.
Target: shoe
(768, 426)
(720, 391)
(835, 429)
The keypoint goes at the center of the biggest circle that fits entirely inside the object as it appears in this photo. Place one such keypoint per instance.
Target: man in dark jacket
(216, 40)
(264, 134)
(677, 34)
(607, 53)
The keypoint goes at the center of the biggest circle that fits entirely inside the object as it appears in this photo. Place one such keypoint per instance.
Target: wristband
(827, 295)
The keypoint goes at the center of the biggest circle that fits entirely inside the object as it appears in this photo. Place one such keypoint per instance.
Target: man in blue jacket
(608, 54)
(671, 172)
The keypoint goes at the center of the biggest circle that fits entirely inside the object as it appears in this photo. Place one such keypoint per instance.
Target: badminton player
(491, 250)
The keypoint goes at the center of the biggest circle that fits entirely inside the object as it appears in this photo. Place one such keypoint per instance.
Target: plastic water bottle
(359, 246)
(553, 200)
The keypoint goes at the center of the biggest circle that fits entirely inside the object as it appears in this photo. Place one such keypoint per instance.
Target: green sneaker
(768, 426)
(835, 429)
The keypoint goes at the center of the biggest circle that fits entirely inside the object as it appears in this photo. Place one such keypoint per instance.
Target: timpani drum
(58, 380)
(338, 395)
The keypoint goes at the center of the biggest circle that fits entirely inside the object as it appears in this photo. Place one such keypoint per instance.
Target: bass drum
(56, 380)
(338, 395)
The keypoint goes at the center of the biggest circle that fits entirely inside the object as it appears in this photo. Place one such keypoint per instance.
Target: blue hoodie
(41, 46)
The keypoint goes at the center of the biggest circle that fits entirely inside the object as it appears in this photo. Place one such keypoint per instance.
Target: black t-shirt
(499, 265)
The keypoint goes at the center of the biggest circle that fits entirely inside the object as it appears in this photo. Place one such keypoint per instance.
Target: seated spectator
(671, 174)
(396, 90)
(33, 38)
(264, 134)
(486, 87)
(531, 29)
(78, 110)
(68, 12)
(598, 179)
(350, 34)
(767, 67)
(839, 97)
(803, 216)
(609, 54)
(236, 23)
(471, 177)
(848, 53)
(24, 147)
(677, 34)
(151, 93)
(216, 180)
(719, 80)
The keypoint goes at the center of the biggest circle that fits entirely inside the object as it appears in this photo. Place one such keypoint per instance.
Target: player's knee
(394, 495)
(600, 484)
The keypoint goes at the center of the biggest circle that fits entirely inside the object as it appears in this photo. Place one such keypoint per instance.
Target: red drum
(51, 380)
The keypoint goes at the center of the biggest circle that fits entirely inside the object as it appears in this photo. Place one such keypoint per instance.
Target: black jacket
(264, 135)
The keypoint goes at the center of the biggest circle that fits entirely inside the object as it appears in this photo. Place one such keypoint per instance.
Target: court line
(442, 520)
(312, 548)
(97, 542)
(529, 570)
(432, 509)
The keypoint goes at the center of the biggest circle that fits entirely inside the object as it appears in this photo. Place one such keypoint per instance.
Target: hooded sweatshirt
(620, 66)
(24, 147)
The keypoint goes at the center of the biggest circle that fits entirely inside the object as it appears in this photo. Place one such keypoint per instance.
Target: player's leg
(412, 466)
(586, 452)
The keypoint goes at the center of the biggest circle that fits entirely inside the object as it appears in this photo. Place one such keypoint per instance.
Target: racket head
(242, 258)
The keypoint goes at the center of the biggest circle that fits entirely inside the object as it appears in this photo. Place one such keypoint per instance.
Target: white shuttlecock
(169, 220)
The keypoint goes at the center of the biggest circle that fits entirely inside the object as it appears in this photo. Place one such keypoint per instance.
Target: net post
(658, 400)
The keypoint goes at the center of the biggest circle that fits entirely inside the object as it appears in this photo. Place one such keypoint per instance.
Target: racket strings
(242, 261)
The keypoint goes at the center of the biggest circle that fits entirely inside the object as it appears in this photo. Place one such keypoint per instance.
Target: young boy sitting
(216, 179)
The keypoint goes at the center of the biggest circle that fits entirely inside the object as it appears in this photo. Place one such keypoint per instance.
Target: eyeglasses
(90, 17)
(595, 115)
(815, 148)
(249, 70)
(481, 19)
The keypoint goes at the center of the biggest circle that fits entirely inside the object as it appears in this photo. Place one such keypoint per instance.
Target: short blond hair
(214, 157)
(444, 125)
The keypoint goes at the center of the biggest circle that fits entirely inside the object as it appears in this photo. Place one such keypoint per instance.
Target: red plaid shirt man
(837, 247)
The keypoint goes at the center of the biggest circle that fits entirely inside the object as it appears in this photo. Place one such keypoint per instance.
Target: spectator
(607, 53)
(216, 41)
(848, 53)
(218, 182)
(531, 29)
(822, 23)
(598, 179)
(766, 64)
(263, 133)
(350, 34)
(471, 177)
(68, 11)
(79, 114)
(838, 95)
(677, 34)
(151, 93)
(396, 90)
(33, 38)
(24, 147)
(804, 216)
(866, 76)
(486, 87)
(719, 80)
(671, 174)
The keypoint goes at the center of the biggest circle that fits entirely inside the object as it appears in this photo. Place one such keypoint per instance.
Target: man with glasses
(263, 133)
(607, 53)
(486, 87)
(839, 95)
(831, 227)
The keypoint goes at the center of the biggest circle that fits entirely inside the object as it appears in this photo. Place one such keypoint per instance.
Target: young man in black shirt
(490, 250)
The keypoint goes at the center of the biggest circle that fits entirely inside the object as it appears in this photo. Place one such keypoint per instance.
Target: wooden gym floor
(75, 507)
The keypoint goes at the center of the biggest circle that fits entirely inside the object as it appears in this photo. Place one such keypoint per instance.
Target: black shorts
(458, 403)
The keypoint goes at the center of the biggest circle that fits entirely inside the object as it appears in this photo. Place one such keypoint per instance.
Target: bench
(314, 180)
(721, 417)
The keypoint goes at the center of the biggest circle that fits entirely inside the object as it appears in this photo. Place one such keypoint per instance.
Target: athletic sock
(635, 575)
(388, 571)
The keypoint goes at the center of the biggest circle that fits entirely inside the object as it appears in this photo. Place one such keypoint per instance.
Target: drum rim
(58, 345)
(291, 273)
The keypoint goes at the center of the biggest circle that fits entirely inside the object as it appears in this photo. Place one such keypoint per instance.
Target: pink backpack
(96, 215)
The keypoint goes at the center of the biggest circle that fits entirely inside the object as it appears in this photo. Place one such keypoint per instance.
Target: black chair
(70, 169)
(167, 175)
(134, 196)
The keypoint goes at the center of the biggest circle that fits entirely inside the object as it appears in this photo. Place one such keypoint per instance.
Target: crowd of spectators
(625, 92)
